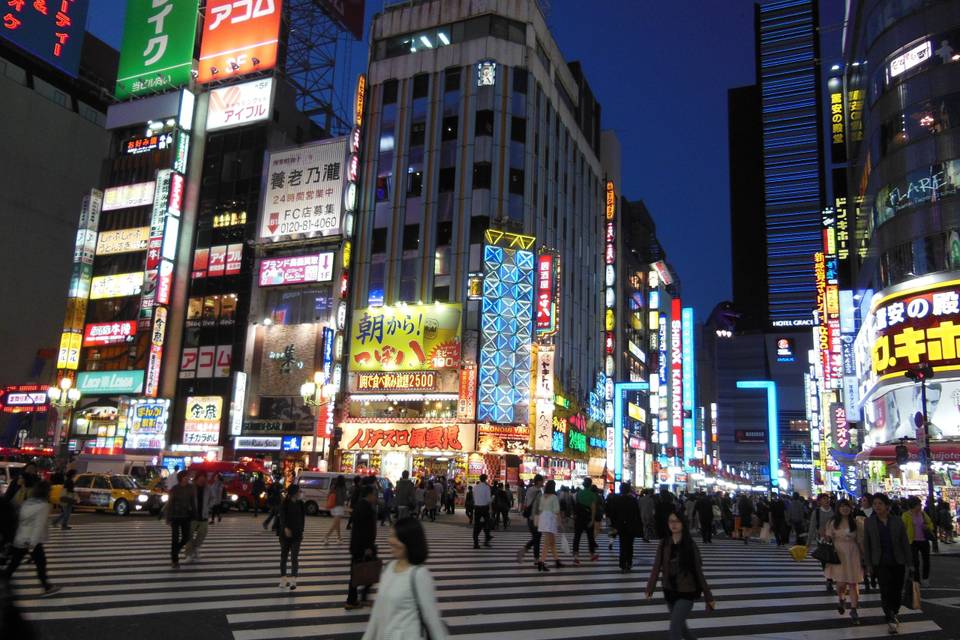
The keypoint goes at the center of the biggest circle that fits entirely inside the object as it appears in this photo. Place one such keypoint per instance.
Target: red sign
(164, 282)
(101, 333)
(397, 381)
(239, 37)
(545, 285)
(234, 259)
(23, 398)
(443, 438)
(218, 259)
(201, 262)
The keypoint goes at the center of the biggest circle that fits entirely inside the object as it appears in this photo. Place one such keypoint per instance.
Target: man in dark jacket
(886, 553)
(274, 497)
(624, 513)
(745, 511)
(363, 540)
(258, 487)
(778, 520)
(704, 509)
(181, 507)
(405, 496)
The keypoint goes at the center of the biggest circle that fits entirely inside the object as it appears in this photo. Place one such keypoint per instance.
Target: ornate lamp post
(64, 396)
(317, 393)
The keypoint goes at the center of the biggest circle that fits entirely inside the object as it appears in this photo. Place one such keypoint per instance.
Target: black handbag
(826, 553)
(366, 572)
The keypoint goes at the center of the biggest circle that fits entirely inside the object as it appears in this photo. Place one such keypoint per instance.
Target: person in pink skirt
(847, 539)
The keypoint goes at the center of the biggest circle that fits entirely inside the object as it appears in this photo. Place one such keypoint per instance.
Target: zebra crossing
(114, 569)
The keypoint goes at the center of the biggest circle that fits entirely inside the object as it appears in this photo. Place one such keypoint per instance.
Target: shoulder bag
(424, 629)
(826, 553)
(366, 572)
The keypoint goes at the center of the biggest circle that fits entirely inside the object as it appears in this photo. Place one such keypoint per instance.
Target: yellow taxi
(120, 494)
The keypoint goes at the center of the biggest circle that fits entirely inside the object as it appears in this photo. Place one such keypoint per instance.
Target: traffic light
(903, 454)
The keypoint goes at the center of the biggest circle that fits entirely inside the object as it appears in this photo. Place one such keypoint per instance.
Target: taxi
(121, 494)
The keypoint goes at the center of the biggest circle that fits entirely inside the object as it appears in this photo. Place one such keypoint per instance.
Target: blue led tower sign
(773, 435)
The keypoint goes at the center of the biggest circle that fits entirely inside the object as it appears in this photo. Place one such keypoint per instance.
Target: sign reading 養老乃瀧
(406, 337)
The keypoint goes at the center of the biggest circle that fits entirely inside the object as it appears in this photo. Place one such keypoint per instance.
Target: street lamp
(64, 396)
(921, 374)
(316, 393)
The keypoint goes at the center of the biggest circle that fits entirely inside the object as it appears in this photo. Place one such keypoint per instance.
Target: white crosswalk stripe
(119, 568)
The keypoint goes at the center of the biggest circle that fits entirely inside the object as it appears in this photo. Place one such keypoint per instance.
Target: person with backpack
(585, 508)
(336, 505)
(291, 519)
(679, 568)
(818, 530)
(33, 530)
(531, 500)
(406, 604)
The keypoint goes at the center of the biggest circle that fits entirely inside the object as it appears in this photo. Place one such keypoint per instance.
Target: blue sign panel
(51, 30)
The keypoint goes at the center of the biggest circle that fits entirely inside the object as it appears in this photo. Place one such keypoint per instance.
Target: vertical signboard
(610, 298)
(80, 281)
(157, 51)
(238, 38)
(689, 387)
(676, 376)
(543, 427)
(548, 269)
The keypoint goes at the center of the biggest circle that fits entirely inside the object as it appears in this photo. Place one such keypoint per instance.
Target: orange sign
(238, 38)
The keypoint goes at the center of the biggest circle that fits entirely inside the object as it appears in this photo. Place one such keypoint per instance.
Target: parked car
(314, 487)
(120, 494)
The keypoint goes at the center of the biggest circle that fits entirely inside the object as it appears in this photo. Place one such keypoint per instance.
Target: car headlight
(234, 497)
(164, 498)
(142, 497)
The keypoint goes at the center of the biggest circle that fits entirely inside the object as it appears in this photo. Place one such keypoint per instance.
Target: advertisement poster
(408, 437)
(303, 191)
(202, 420)
(157, 50)
(128, 195)
(240, 104)
(316, 267)
(116, 286)
(122, 241)
(407, 337)
(238, 38)
(56, 37)
(147, 424)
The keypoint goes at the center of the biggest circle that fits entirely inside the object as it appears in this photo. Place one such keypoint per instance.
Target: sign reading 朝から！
(406, 337)
(303, 191)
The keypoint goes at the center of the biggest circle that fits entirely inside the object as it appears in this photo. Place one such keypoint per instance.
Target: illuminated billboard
(548, 272)
(104, 333)
(406, 338)
(128, 195)
(303, 191)
(238, 38)
(202, 420)
(123, 241)
(316, 267)
(240, 104)
(157, 50)
(116, 286)
(676, 375)
(51, 31)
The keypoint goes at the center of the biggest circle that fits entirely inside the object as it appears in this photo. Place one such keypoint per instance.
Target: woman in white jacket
(32, 531)
(406, 606)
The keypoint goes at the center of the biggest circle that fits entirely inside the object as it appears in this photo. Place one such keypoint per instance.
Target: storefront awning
(939, 452)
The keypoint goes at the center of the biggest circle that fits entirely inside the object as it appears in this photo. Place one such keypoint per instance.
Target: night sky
(661, 71)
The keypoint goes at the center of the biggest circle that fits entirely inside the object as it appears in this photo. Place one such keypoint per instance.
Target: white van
(314, 487)
(9, 472)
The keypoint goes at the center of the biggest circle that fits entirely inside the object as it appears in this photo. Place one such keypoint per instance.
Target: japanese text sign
(411, 337)
(407, 437)
(51, 30)
(116, 286)
(303, 191)
(240, 104)
(110, 382)
(546, 297)
(316, 267)
(123, 241)
(128, 195)
(102, 333)
(239, 36)
(202, 420)
(147, 424)
(157, 51)
(397, 381)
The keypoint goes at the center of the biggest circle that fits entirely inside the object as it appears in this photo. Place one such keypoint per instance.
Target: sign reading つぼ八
(303, 191)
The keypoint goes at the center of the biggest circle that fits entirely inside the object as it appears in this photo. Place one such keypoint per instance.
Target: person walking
(624, 514)
(704, 509)
(421, 495)
(504, 503)
(818, 530)
(68, 498)
(531, 498)
(274, 498)
(647, 505)
(847, 540)
(887, 551)
(745, 511)
(406, 605)
(386, 514)
(481, 512)
(33, 530)
(353, 499)
(20, 490)
(547, 520)
(257, 490)
(339, 491)
(584, 512)
(430, 501)
(796, 515)
(778, 520)
(198, 525)
(181, 507)
(662, 511)
(863, 511)
(679, 568)
(292, 517)
(405, 496)
(919, 533)
(215, 497)
(363, 542)
(468, 505)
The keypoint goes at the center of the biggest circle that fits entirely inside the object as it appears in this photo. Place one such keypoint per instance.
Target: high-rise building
(483, 183)
(788, 75)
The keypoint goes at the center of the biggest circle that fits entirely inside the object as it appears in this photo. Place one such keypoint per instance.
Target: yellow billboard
(406, 337)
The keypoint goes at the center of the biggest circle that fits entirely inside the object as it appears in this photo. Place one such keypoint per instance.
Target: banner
(406, 337)
(238, 38)
(157, 51)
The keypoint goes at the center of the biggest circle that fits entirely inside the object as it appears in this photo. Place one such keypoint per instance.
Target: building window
(447, 180)
(417, 133)
(450, 125)
(481, 175)
(411, 237)
(484, 126)
(390, 88)
(516, 181)
(478, 226)
(379, 242)
(415, 184)
(518, 129)
(421, 86)
(451, 79)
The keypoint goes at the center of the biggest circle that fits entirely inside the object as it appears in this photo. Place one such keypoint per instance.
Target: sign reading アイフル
(303, 191)
(157, 51)
(240, 104)
(406, 337)
(239, 37)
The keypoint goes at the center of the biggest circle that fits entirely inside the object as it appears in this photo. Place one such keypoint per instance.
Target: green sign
(157, 52)
(109, 382)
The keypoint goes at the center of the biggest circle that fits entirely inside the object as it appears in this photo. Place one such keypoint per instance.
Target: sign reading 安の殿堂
(157, 51)
(303, 191)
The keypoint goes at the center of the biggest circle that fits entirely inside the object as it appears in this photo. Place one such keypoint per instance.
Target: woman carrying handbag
(847, 574)
(406, 605)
